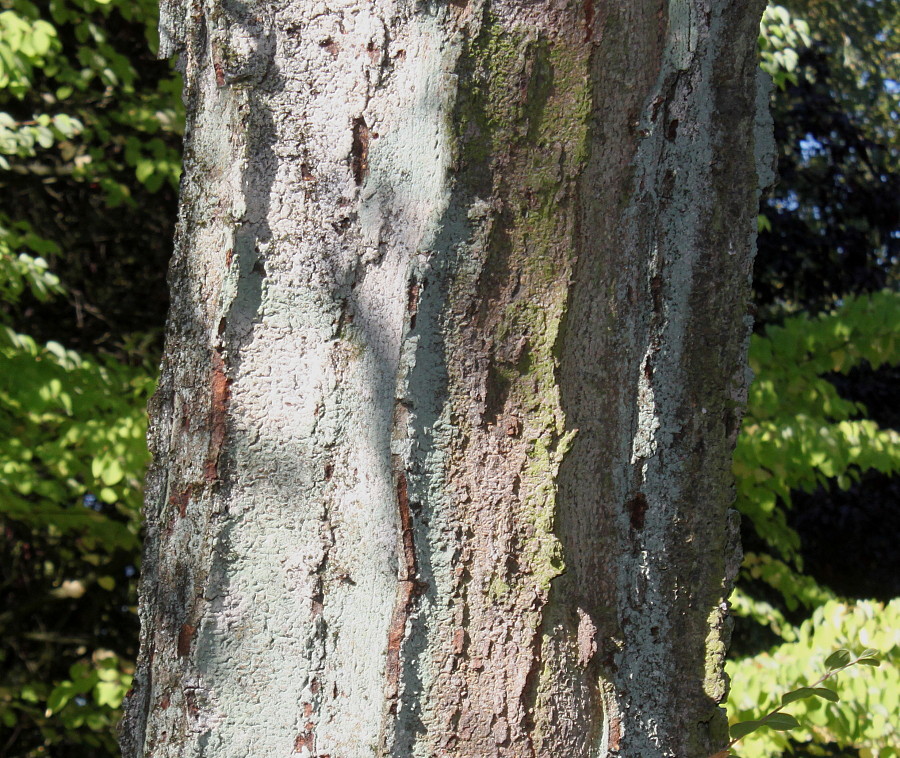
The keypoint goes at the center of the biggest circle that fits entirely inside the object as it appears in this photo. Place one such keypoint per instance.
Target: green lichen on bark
(713, 683)
(547, 560)
(498, 588)
(522, 134)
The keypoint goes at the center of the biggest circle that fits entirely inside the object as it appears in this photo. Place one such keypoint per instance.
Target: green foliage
(779, 721)
(861, 39)
(70, 426)
(86, 704)
(72, 433)
(828, 231)
(21, 271)
(831, 222)
(88, 121)
(102, 678)
(74, 104)
(780, 37)
(796, 590)
(799, 433)
(856, 711)
(26, 43)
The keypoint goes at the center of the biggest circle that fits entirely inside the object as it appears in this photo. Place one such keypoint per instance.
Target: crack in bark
(218, 414)
(637, 510)
(185, 637)
(406, 529)
(409, 589)
(359, 151)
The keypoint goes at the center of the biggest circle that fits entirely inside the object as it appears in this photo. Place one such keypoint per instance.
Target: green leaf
(109, 673)
(780, 722)
(869, 661)
(838, 659)
(29, 694)
(798, 694)
(743, 728)
(826, 694)
(144, 169)
(96, 720)
(59, 697)
(109, 694)
(112, 473)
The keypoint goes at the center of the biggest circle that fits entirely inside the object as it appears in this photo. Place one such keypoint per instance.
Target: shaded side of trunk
(453, 375)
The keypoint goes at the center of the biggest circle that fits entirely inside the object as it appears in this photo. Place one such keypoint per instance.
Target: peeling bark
(454, 370)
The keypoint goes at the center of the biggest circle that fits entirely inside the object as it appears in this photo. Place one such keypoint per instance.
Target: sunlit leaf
(743, 728)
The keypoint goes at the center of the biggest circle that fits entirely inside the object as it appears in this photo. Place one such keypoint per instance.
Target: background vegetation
(89, 164)
(818, 457)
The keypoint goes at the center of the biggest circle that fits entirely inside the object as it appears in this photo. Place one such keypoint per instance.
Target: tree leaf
(59, 697)
(144, 169)
(743, 728)
(798, 694)
(780, 722)
(838, 659)
(112, 472)
(826, 694)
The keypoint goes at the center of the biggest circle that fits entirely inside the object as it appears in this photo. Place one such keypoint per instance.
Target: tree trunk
(454, 369)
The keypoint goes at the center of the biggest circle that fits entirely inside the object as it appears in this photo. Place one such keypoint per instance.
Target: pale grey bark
(454, 370)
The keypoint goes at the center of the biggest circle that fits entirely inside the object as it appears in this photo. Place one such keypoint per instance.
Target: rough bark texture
(454, 371)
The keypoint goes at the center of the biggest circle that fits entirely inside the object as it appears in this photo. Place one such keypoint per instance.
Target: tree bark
(454, 370)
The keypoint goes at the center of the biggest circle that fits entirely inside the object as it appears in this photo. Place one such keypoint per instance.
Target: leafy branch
(778, 720)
